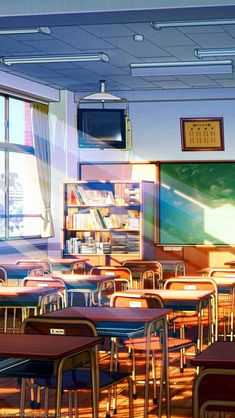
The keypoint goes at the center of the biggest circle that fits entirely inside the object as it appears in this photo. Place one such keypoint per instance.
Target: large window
(20, 197)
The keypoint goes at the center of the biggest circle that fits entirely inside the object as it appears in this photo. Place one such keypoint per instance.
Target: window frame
(8, 147)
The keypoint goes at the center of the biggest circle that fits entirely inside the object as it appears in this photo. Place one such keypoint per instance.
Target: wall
(157, 137)
(156, 132)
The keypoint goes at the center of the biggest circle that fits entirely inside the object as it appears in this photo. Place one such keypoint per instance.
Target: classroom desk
(24, 298)
(217, 367)
(54, 348)
(115, 322)
(18, 272)
(91, 285)
(58, 264)
(184, 300)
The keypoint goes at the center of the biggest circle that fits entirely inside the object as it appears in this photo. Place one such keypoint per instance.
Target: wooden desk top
(41, 347)
(220, 354)
(76, 278)
(21, 267)
(208, 269)
(105, 314)
(178, 300)
(77, 281)
(67, 261)
(25, 290)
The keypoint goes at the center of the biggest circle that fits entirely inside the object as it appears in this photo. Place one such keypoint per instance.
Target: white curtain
(42, 153)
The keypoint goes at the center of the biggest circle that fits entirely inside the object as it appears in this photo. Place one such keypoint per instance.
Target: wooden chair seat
(174, 344)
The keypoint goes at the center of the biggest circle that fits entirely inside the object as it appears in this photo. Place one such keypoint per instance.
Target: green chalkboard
(197, 203)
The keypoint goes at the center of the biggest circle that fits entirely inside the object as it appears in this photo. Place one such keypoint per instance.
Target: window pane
(20, 127)
(24, 194)
(2, 183)
(2, 119)
(24, 226)
(2, 195)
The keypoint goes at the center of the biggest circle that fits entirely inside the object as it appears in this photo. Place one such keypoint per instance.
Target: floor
(180, 391)
(181, 395)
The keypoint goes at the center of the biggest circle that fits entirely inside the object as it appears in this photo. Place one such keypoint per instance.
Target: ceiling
(75, 31)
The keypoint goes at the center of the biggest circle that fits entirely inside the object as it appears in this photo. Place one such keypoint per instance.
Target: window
(20, 198)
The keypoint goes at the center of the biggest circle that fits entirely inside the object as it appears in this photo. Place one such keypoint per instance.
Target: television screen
(102, 128)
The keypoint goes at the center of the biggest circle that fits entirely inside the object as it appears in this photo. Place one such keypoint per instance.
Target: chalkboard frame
(227, 168)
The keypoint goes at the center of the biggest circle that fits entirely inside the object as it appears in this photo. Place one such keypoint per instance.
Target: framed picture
(202, 134)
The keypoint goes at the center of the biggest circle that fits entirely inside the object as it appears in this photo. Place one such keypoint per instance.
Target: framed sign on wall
(202, 134)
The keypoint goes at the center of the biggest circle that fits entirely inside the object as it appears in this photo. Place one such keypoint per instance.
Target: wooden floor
(180, 391)
(181, 396)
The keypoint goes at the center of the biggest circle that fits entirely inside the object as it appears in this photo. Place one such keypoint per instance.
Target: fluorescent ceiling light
(185, 23)
(214, 52)
(16, 31)
(55, 58)
(181, 68)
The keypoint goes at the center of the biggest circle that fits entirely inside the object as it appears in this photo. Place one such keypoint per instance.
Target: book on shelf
(88, 196)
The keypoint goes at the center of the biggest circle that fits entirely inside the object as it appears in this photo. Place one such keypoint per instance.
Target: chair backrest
(80, 267)
(191, 283)
(135, 300)
(149, 280)
(67, 327)
(59, 326)
(124, 275)
(38, 281)
(37, 272)
(223, 272)
(60, 297)
(46, 265)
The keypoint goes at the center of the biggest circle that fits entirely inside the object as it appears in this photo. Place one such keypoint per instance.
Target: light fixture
(138, 37)
(25, 31)
(185, 23)
(181, 68)
(214, 52)
(55, 58)
(102, 95)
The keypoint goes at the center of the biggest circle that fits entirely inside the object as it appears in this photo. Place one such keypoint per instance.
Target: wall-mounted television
(104, 128)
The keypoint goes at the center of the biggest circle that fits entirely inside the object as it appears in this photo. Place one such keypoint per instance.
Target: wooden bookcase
(109, 221)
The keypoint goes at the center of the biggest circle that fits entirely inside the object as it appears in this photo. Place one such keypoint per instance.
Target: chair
(46, 265)
(225, 294)
(123, 280)
(78, 375)
(122, 299)
(138, 267)
(81, 268)
(191, 319)
(55, 301)
(3, 276)
(148, 280)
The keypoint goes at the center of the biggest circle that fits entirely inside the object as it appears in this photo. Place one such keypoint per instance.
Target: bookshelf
(109, 219)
